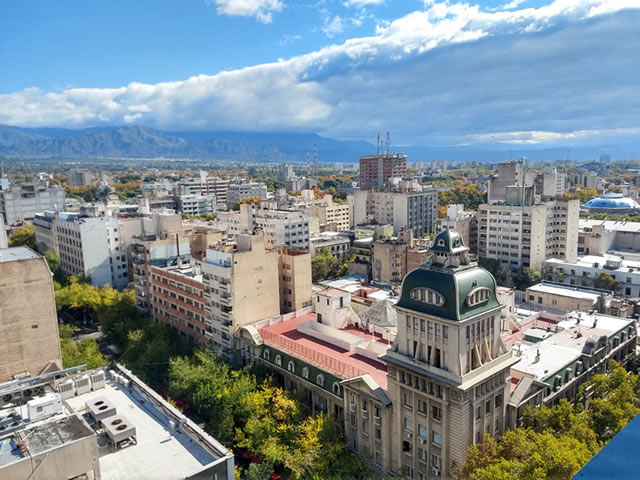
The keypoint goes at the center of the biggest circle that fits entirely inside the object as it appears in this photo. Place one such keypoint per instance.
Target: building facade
(283, 228)
(29, 341)
(463, 222)
(376, 170)
(242, 191)
(23, 202)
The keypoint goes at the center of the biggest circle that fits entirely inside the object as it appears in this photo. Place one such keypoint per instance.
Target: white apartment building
(23, 202)
(283, 228)
(196, 204)
(205, 185)
(92, 246)
(331, 215)
(417, 211)
(584, 270)
(526, 235)
(242, 191)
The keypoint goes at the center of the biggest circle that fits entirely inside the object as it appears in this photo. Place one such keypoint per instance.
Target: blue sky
(432, 72)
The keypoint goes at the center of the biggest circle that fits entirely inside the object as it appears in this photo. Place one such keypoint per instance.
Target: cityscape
(309, 293)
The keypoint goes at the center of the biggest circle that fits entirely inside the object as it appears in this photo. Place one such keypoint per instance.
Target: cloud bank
(449, 74)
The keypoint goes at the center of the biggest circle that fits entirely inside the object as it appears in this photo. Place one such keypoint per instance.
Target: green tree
(605, 281)
(54, 265)
(584, 194)
(324, 266)
(86, 352)
(23, 237)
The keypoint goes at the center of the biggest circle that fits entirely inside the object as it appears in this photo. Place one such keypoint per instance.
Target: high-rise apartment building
(376, 170)
(241, 286)
(29, 341)
(417, 211)
(80, 177)
(23, 202)
(526, 235)
(92, 246)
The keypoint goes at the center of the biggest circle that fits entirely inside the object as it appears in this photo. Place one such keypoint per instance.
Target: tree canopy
(23, 236)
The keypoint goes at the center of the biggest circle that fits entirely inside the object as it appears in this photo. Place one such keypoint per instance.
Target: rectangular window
(436, 413)
(408, 424)
(408, 400)
(487, 407)
(422, 431)
(436, 439)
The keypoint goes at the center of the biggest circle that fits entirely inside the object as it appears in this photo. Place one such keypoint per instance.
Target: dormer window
(441, 243)
(428, 296)
(478, 296)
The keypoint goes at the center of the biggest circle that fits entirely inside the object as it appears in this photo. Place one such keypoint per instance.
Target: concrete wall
(28, 323)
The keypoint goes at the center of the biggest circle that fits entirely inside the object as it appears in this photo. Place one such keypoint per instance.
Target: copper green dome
(451, 290)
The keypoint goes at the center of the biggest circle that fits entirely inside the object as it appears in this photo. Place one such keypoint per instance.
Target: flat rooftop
(567, 291)
(589, 261)
(343, 363)
(160, 453)
(13, 254)
(622, 226)
(168, 445)
(565, 346)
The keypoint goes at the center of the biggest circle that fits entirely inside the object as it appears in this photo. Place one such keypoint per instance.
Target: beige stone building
(394, 258)
(464, 222)
(241, 286)
(294, 273)
(29, 341)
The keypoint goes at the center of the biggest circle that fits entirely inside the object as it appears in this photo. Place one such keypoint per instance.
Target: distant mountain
(138, 141)
(146, 142)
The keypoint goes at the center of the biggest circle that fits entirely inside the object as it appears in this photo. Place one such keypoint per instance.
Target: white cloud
(333, 26)
(453, 73)
(261, 9)
(362, 3)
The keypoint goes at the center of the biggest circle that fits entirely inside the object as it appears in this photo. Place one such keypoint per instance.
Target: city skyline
(434, 73)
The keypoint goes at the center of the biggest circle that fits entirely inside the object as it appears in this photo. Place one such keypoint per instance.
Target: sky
(535, 72)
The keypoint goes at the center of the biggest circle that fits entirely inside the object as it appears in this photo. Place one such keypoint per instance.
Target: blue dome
(613, 201)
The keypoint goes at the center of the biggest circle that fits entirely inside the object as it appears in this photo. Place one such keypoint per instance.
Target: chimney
(537, 356)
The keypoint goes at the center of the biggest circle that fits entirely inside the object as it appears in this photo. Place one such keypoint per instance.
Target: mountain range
(146, 142)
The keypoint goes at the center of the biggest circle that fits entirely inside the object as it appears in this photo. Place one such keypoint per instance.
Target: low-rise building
(585, 269)
(598, 237)
(196, 204)
(555, 358)
(101, 425)
(337, 243)
(394, 258)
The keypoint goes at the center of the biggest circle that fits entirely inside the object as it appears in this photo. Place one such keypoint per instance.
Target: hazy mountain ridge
(140, 141)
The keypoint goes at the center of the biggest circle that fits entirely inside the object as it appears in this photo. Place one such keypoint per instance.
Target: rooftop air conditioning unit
(83, 384)
(97, 379)
(100, 408)
(408, 434)
(67, 388)
(119, 429)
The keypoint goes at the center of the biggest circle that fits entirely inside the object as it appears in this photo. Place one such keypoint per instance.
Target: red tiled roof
(342, 363)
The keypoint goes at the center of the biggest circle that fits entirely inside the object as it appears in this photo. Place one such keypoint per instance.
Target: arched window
(266, 354)
(320, 380)
(336, 388)
(428, 296)
(478, 296)
(291, 367)
(305, 372)
(278, 360)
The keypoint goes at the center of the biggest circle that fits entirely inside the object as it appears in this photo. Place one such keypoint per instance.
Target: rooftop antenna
(315, 159)
(378, 143)
(309, 161)
(388, 141)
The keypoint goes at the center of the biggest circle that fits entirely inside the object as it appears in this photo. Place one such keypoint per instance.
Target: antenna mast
(315, 159)
(388, 141)
(378, 144)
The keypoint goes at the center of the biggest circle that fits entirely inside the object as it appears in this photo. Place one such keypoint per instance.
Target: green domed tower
(448, 369)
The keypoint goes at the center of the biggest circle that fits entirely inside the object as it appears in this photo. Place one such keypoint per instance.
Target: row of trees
(464, 193)
(255, 415)
(556, 442)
